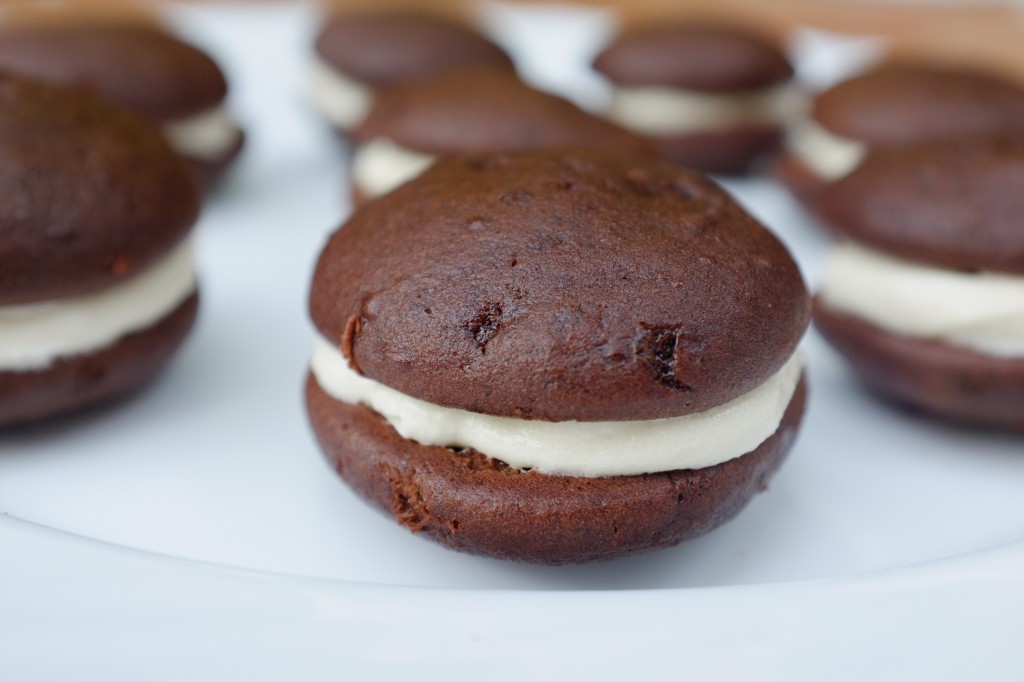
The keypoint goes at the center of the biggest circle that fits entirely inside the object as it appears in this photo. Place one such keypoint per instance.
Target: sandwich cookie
(894, 105)
(925, 297)
(97, 287)
(469, 111)
(358, 53)
(556, 356)
(710, 97)
(138, 66)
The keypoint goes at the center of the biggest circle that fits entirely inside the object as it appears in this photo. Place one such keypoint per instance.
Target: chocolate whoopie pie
(359, 53)
(894, 105)
(556, 356)
(97, 287)
(139, 66)
(926, 296)
(469, 111)
(711, 97)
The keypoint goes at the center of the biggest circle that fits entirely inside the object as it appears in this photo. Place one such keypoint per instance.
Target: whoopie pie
(359, 52)
(893, 105)
(139, 65)
(97, 287)
(468, 111)
(713, 97)
(925, 295)
(556, 356)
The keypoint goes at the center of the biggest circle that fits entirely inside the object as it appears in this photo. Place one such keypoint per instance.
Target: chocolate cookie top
(137, 66)
(387, 48)
(90, 193)
(902, 104)
(701, 57)
(485, 109)
(558, 285)
(958, 203)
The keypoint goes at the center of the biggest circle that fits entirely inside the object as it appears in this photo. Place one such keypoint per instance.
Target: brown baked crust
(558, 285)
(207, 171)
(486, 109)
(731, 151)
(905, 103)
(475, 504)
(389, 48)
(82, 381)
(358, 197)
(136, 66)
(805, 184)
(694, 56)
(92, 194)
(955, 383)
(957, 203)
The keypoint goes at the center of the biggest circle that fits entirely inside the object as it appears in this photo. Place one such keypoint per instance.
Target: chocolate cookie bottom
(949, 381)
(472, 503)
(733, 151)
(84, 380)
(799, 179)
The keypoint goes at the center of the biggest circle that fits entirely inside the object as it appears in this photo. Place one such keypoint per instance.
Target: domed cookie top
(902, 104)
(701, 57)
(387, 48)
(560, 285)
(483, 109)
(91, 193)
(136, 65)
(957, 203)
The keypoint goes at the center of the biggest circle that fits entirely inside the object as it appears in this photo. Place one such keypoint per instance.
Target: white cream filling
(830, 156)
(574, 448)
(669, 111)
(207, 135)
(982, 311)
(343, 101)
(34, 335)
(380, 166)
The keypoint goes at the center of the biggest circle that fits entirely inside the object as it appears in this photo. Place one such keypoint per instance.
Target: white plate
(222, 545)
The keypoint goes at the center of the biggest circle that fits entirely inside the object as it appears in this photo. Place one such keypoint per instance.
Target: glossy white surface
(888, 547)
(126, 615)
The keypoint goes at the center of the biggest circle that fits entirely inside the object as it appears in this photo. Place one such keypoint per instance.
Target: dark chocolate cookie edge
(471, 503)
(951, 382)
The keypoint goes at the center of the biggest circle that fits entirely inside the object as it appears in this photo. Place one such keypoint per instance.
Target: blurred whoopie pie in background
(711, 97)
(357, 53)
(97, 287)
(136, 63)
(924, 295)
(471, 110)
(894, 105)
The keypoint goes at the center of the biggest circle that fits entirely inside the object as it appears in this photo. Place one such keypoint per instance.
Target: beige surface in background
(54, 11)
(989, 34)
